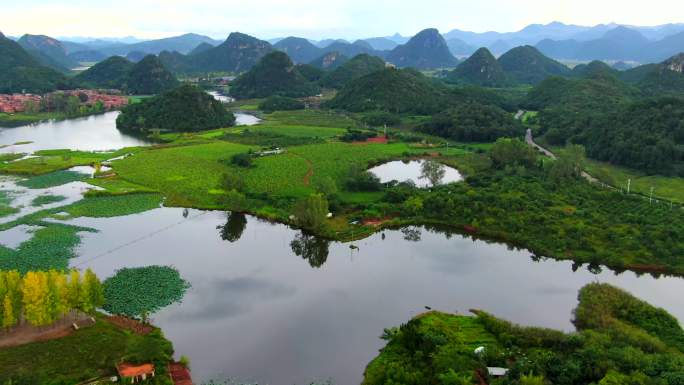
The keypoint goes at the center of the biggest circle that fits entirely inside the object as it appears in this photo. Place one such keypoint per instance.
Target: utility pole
(650, 200)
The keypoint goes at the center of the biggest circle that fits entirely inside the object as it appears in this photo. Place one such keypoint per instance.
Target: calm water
(257, 311)
(414, 171)
(92, 133)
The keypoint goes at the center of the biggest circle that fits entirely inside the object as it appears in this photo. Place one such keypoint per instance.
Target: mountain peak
(426, 50)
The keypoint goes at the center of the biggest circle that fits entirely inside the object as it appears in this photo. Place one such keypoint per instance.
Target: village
(17, 103)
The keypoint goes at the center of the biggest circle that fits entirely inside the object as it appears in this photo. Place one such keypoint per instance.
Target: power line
(146, 236)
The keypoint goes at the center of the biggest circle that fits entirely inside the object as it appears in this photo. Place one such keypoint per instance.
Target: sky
(315, 19)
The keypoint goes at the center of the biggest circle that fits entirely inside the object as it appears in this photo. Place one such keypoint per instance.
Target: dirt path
(309, 171)
(25, 334)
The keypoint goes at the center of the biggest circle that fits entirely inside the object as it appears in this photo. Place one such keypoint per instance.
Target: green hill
(298, 49)
(275, 74)
(149, 76)
(474, 122)
(48, 51)
(186, 108)
(527, 65)
(238, 53)
(357, 67)
(330, 61)
(426, 50)
(658, 79)
(21, 72)
(391, 90)
(594, 69)
(481, 69)
(110, 73)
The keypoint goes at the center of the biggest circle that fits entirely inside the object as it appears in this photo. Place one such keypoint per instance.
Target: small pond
(424, 173)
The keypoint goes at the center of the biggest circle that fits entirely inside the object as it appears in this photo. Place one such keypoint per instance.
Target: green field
(20, 119)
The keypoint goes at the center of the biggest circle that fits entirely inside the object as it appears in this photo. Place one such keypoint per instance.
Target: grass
(316, 118)
(668, 188)
(5, 205)
(184, 174)
(57, 178)
(10, 157)
(113, 206)
(114, 185)
(88, 353)
(46, 200)
(48, 161)
(20, 119)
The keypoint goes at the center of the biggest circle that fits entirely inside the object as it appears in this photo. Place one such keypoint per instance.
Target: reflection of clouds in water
(231, 297)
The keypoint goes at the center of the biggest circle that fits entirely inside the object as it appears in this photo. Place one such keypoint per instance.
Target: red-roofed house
(132, 374)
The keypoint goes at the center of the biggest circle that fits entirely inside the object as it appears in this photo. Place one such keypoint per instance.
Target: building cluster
(110, 99)
(17, 102)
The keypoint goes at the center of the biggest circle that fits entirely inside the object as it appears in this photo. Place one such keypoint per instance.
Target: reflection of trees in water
(432, 171)
(234, 227)
(313, 249)
(412, 234)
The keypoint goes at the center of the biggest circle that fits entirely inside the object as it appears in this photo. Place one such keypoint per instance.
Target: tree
(35, 299)
(93, 294)
(72, 106)
(570, 163)
(232, 230)
(233, 181)
(236, 201)
(512, 152)
(312, 211)
(73, 289)
(8, 317)
(432, 171)
(311, 248)
(242, 160)
(58, 303)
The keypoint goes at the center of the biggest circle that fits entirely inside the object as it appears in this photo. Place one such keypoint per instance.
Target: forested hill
(357, 67)
(526, 65)
(186, 108)
(110, 73)
(147, 77)
(48, 51)
(480, 69)
(275, 74)
(426, 50)
(20, 72)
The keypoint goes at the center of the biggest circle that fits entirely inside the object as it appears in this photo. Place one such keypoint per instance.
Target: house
(132, 374)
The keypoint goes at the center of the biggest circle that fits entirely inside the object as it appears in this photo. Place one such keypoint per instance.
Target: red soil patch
(376, 221)
(130, 324)
(470, 229)
(180, 374)
(377, 139)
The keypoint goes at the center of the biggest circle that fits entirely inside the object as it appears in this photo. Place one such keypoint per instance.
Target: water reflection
(311, 248)
(232, 230)
(422, 173)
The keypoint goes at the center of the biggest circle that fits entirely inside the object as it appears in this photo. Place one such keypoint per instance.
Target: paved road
(530, 141)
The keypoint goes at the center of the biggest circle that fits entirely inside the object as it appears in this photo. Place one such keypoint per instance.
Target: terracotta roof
(130, 370)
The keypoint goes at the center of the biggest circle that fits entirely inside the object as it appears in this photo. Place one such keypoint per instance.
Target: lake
(92, 133)
(414, 171)
(258, 312)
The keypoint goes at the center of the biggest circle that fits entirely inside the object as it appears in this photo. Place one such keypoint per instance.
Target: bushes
(280, 103)
(473, 122)
(242, 160)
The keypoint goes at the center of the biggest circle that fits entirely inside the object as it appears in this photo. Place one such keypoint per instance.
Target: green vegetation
(113, 206)
(44, 200)
(19, 72)
(91, 352)
(186, 108)
(280, 103)
(526, 65)
(49, 161)
(620, 340)
(112, 72)
(396, 91)
(275, 74)
(355, 68)
(57, 178)
(149, 76)
(474, 122)
(481, 69)
(426, 50)
(138, 292)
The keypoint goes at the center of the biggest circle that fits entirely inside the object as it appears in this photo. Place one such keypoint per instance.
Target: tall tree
(8, 317)
(312, 211)
(35, 298)
(92, 292)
